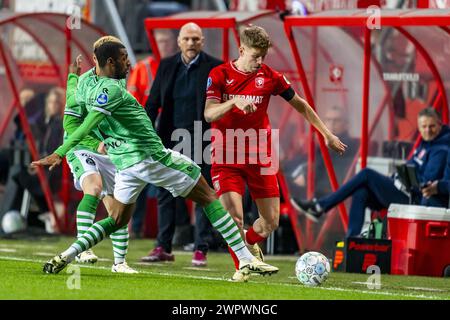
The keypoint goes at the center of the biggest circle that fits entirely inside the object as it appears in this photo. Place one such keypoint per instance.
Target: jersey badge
(209, 83)
(102, 98)
(216, 185)
(259, 82)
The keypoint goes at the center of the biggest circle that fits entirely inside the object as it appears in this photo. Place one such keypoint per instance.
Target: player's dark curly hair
(255, 37)
(108, 50)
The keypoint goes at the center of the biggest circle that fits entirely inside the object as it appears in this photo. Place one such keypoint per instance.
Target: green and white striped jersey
(122, 122)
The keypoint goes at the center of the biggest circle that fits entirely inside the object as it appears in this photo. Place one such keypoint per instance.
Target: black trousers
(168, 210)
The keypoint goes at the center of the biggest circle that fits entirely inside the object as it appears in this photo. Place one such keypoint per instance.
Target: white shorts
(83, 163)
(172, 171)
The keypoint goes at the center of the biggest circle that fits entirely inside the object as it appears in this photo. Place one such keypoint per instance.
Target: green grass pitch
(21, 277)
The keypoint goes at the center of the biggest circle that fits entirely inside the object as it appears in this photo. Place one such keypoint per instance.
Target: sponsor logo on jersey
(209, 83)
(228, 82)
(102, 98)
(116, 143)
(250, 98)
(259, 82)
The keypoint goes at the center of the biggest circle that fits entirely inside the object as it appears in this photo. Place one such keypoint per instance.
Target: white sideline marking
(44, 254)
(374, 292)
(426, 289)
(13, 245)
(412, 288)
(199, 269)
(104, 259)
(8, 250)
(152, 264)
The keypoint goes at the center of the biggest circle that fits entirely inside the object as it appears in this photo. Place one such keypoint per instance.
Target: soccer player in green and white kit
(93, 172)
(140, 158)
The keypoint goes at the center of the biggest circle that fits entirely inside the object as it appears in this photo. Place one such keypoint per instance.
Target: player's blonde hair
(255, 37)
(105, 39)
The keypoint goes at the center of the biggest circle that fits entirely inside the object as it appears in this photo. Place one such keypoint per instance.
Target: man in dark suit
(179, 90)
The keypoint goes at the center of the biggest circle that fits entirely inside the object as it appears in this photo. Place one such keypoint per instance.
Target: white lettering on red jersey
(226, 82)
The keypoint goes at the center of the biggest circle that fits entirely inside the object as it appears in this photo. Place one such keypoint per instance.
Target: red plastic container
(420, 240)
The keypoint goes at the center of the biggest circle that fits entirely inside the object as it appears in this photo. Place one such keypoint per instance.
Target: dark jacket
(431, 161)
(161, 93)
(443, 185)
(430, 157)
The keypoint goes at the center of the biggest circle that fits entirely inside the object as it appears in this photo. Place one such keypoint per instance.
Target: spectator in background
(44, 114)
(373, 190)
(141, 76)
(52, 131)
(32, 104)
(438, 191)
(336, 119)
(179, 90)
(25, 96)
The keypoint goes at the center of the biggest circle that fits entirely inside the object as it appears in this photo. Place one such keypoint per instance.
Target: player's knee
(202, 193)
(210, 194)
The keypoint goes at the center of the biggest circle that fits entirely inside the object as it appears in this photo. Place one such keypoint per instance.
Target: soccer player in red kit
(238, 94)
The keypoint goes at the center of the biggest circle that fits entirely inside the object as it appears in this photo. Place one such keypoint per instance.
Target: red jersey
(226, 82)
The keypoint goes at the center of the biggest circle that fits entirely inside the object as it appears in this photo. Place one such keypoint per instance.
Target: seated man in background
(438, 191)
(373, 190)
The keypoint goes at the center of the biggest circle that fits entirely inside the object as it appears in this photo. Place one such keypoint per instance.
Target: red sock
(252, 237)
(235, 258)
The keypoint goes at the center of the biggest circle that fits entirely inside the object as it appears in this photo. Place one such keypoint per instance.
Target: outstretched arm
(303, 107)
(89, 123)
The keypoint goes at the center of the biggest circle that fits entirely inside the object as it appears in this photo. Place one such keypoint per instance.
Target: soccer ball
(312, 269)
(13, 222)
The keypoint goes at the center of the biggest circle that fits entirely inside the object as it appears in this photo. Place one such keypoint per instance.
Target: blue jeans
(369, 189)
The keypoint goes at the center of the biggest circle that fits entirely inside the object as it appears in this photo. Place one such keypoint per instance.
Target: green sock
(224, 223)
(86, 213)
(119, 240)
(96, 233)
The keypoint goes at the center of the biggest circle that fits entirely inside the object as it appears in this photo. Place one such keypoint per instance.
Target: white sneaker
(258, 267)
(240, 276)
(122, 268)
(87, 256)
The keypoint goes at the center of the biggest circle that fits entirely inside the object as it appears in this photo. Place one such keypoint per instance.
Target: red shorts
(227, 178)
